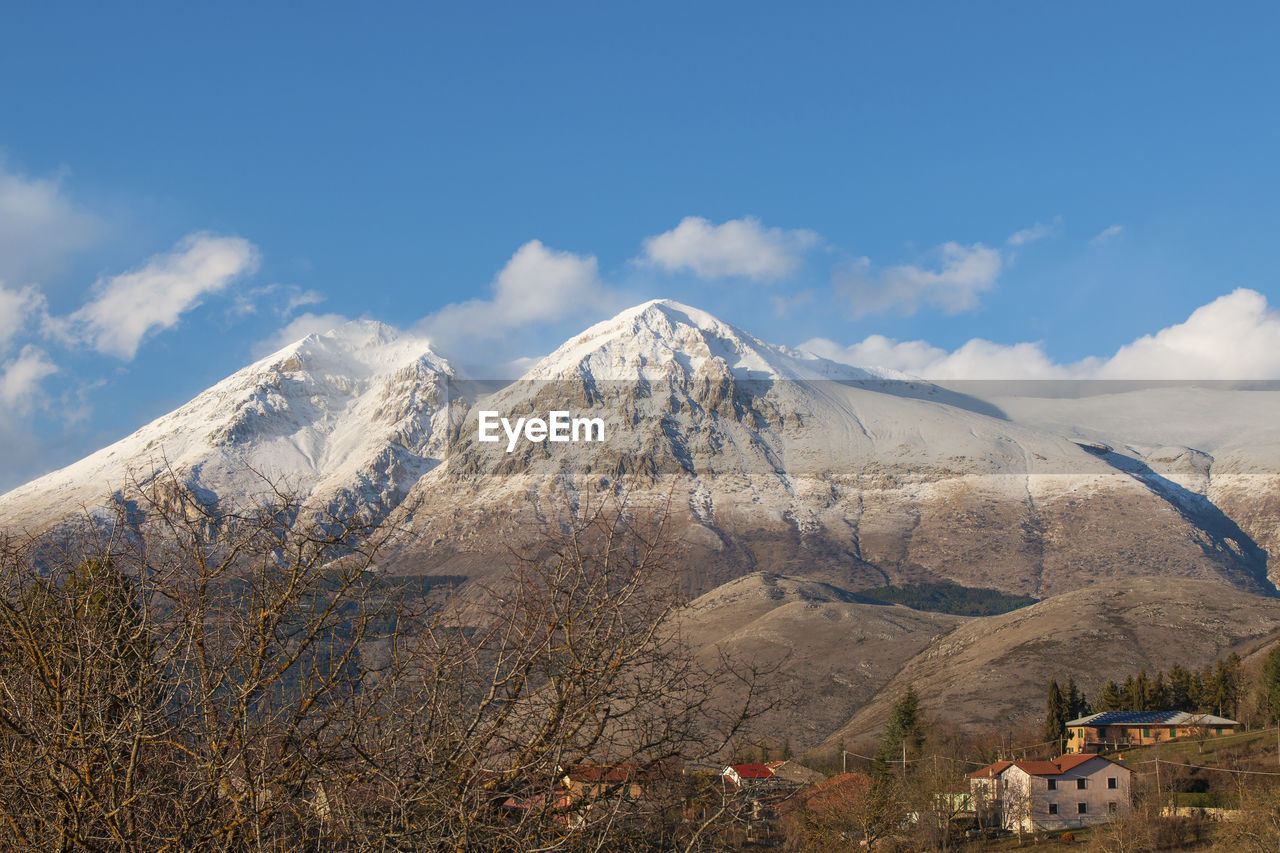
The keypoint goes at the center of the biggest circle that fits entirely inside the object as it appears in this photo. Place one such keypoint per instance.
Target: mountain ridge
(776, 459)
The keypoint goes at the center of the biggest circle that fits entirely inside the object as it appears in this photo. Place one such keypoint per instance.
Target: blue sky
(855, 171)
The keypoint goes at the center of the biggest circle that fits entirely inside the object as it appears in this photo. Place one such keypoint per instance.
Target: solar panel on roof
(1139, 718)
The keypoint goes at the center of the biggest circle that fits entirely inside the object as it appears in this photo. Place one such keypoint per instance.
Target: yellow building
(1111, 730)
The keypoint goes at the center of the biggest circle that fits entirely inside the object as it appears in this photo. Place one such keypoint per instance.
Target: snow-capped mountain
(784, 461)
(665, 340)
(773, 460)
(350, 420)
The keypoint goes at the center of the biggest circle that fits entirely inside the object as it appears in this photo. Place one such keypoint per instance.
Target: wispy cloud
(40, 227)
(954, 283)
(20, 377)
(1039, 231)
(17, 307)
(1107, 234)
(784, 305)
(738, 247)
(126, 308)
(297, 329)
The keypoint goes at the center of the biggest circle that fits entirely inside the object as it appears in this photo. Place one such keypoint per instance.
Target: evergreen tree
(1207, 694)
(1181, 689)
(1077, 705)
(1197, 691)
(903, 736)
(1269, 688)
(1159, 694)
(1131, 695)
(1110, 698)
(1055, 719)
(1226, 685)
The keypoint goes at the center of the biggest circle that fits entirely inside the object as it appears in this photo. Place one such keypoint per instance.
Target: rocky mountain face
(1143, 515)
(348, 421)
(781, 462)
(768, 460)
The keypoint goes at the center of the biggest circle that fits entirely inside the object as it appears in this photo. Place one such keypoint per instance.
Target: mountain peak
(661, 338)
(357, 348)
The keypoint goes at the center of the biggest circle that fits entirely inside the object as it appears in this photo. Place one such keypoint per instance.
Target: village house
(1111, 730)
(744, 776)
(1069, 791)
(593, 781)
(766, 785)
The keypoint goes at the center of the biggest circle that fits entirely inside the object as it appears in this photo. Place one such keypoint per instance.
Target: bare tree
(851, 811)
(182, 676)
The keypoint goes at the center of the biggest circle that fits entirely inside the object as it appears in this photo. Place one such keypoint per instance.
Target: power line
(1159, 761)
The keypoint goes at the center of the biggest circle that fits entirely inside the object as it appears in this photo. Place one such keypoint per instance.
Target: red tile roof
(1056, 767)
(832, 796)
(991, 771)
(753, 771)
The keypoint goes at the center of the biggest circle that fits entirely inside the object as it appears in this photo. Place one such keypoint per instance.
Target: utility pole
(1159, 807)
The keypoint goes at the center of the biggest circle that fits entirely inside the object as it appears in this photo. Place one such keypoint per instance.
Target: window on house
(1053, 784)
(1082, 808)
(1112, 782)
(1081, 784)
(1146, 732)
(1111, 807)
(1053, 808)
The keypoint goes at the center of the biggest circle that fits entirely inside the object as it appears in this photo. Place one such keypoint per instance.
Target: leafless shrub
(185, 677)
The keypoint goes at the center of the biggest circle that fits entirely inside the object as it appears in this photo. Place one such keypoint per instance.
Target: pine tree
(1198, 701)
(1208, 692)
(1077, 705)
(1132, 695)
(1159, 694)
(1181, 689)
(1269, 688)
(903, 736)
(1055, 720)
(1110, 698)
(1226, 679)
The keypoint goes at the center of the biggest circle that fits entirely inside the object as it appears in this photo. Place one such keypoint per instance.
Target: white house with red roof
(742, 776)
(1069, 791)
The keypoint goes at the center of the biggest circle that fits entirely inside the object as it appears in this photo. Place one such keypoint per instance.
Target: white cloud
(977, 359)
(282, 299)
(1036, 232)
(16, 308)
(297, 329)
(128, 307)
(20, 377)
(962, 274)
(538, 285)
(1236, 336)
(39, 227)
(299, 298)
(1106, 234)
(739, 247)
